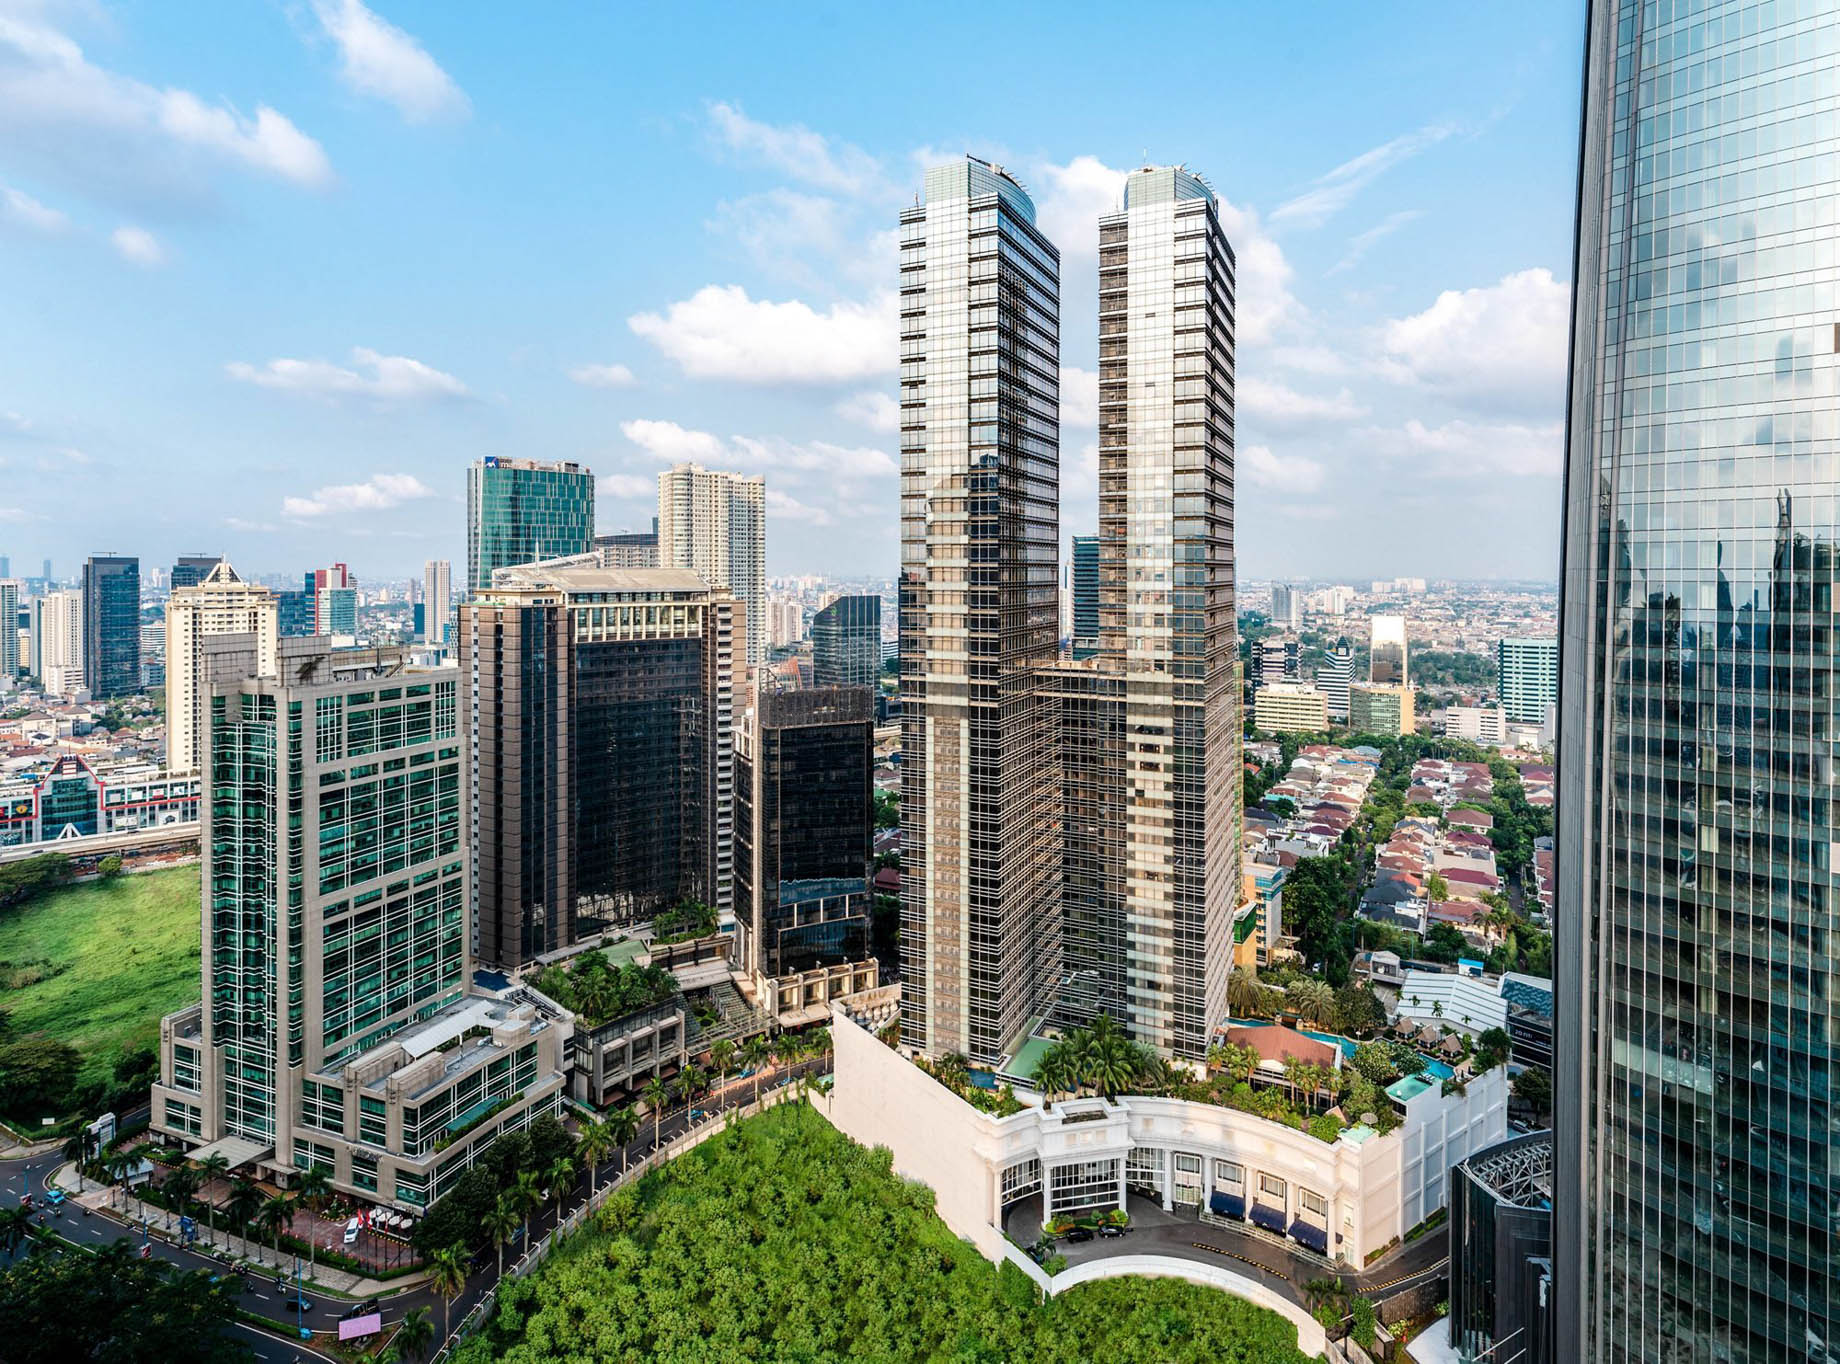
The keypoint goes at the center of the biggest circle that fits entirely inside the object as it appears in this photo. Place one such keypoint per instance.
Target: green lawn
(97, 964)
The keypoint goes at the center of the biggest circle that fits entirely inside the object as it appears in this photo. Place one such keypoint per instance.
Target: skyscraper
(980, 447)
(336, 1029)
(334, 598)
(715, 524)
(1286, 606)
(221, 604)
(190, 569)
(437, 600)
(846, 643)
(1086, 589)
(9, 629)
(1335, 676)
(112, 625)
(1698, 1197)
(57, 641)
(1529, 676)
(521, 510)
(629, 548)
(1386, 655)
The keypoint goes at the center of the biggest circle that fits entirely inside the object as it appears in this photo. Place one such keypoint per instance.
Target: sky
(274, 272)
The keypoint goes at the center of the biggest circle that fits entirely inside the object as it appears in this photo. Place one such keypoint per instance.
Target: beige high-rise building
(715, 524)
(57, 641)
(1290, 708)
(223, 604)
(437, 599)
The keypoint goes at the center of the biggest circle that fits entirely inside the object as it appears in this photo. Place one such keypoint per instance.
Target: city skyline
(750, 329)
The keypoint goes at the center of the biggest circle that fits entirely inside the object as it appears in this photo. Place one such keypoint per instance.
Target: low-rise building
(1290, 708)
(1375, 708)
(74, 797)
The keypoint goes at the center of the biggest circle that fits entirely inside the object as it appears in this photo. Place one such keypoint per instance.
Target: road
(262, 1296)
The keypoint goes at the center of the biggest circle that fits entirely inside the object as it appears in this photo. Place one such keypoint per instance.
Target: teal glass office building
(521, 510)
(1697, 1199)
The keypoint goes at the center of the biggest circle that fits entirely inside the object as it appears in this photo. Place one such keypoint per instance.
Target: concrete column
(1169, 1181)
(1124, 1162)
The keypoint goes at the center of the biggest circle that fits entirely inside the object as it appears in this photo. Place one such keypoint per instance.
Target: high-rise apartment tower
(219, 604)
(715, 524)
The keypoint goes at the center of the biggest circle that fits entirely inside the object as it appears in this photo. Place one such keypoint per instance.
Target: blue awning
(1227, 1205)
(1272, 1219)
(1307, 1234)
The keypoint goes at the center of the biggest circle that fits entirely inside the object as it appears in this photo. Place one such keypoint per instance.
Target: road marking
(1231, 1255)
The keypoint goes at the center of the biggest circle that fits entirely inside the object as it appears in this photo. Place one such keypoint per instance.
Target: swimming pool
(1438, 1070)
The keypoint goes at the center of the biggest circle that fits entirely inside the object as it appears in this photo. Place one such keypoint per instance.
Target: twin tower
(1070, 829)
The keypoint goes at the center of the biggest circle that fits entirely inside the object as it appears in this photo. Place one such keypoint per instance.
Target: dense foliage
(783, 1240)
(682, 922)
(1452, 668)
(113, 1306)
(20, 881)
(599, 992)
(458, 1216)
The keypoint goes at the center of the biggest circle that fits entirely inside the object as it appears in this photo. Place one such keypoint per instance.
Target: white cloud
(871, 408)
(1362, 242)
(1073, 198)
(378, 493)
(392, 378)
(238, 523)
(138, 245)
(1332, 192)
(377, 58)
(15, 514)
(1259, 466)
(22, 210)
(796, 151)
(1471, 449)
(816, 461)
(1079, 397)
(602, 376)
(80, 115)
(721, 333)
(1284, 405)
(1264, 301)
(1503, 344)
(782, 229)
(791, 509)
(627, 486)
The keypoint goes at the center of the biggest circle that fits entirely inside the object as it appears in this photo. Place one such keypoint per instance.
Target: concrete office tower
(1529, 675)
(112, 625)
(1698, 1193)
(437, 600)
(1386, 655)
(333, 596)
(1086, 589)
(1290, 708)
(57, 641)
(1380, 709)
(336, 1030)
(630, 549)
(521, 510)
(1276, 658)
(715, 524)
(190, 569)
(9, 629)
(602, 733)
(846, 643)
(1286, 606)
(220, 604)
(1335, 675)
(1166, 593)
(804, 817)
(980, 448)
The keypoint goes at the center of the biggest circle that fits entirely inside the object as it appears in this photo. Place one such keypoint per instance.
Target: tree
(755, 1052)
(559, 1176)
(414, 1335)
(623, 1126)
(527, 1195)
(656, 1094)
(243, 1203)
(15, 1222)
(722, 1056)
(1373, 1061)
(215, 1166)
(1312, 999)
(276, 1216)
(1357, 1010)
(501, 1222)
(447, 1276)
(1245, 996)
(1318, 896)
(1533, 1087)
(179, 1186)
(36, 1074)
(1437, 889)
(594, 1145)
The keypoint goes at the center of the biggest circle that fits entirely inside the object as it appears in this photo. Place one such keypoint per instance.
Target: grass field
(97, 964)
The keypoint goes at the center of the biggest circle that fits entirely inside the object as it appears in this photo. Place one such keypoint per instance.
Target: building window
(1082, 1185)
(1229, 1172)
(1313, 1203)
(1019, 1181)
(1271, 1189)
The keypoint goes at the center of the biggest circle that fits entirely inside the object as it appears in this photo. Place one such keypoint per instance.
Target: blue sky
(272, 274)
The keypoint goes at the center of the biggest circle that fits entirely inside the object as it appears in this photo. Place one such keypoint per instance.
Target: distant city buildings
(1286, 606)
(112, 625)
(1276, 658)
(334, 599)
(1085, 587)
(846, 643)
(1378, 709)
(629, 549)
(1335, 676)
(1386, 655)
(1290, 708)
(1478, 724)
(437, 600)
(715, 524)
(519, 511)
(75, 798)
(57, 641)
(220, 603)
(9, 631)
(1529, 672)
(190, 569)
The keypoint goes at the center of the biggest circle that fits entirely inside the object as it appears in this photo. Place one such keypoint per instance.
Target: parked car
(352, 1227)
(1108, 1231)
(1080, 1234)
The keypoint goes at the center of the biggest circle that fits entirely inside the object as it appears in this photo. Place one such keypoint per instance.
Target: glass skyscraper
(846, 643)
(112, 625)
(1698, 1185)
(519, 511)
(1086, 588)
(1529, 674)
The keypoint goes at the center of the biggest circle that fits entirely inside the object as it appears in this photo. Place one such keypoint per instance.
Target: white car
(351, 1230)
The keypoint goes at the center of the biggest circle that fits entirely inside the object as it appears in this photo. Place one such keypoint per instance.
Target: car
(55, 1197)
(351, 1230)
(1080, 1234)
(293, 1304)
(1108, 1231)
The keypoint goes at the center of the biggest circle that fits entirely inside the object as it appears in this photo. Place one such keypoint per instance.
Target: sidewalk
(223, 1245)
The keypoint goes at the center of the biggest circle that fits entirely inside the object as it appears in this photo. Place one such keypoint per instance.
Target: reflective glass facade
(846, 643)
(1699, 1187)
(112, 626)
(521, 510)
(980, 449)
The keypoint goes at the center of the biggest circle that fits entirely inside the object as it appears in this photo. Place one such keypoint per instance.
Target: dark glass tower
(1086, 588)
(1698, 1198)
(112, 625)
(519, 511)
(846, 643)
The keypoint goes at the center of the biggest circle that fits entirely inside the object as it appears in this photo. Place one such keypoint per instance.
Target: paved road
(262, 1297)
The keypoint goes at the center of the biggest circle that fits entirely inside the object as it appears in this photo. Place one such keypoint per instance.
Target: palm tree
(447, 1276)
(1312, 999)
(76, 1151)
(656, 1093)
(561, 1176)
(14, 1224)
(1245, 995)
(594, 1146)
(213, 1167)
(821, 1042)
(755, 1052)
(313, 1187)
(1051, 1075)
(722, 1057)
(500, 1224)
(528, 1193)
(179, 1186)
(242, 1204)
(275, 1217)
(413, 1336)
(623, 1126)
(118, 1166)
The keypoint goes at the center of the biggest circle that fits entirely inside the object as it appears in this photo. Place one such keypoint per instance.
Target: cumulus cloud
(818, 461)
(1266, 306)
(377, 58)
(721, 333)
(1502, 345)
(1363, 242)
(19, 209)
(796, 151)
(137, 245)
(1470, 449)
(1073, 197)
(1279, 403)
(391, 378)
(602, 376)
(380, 492)
(871, 408)
(1079, 397)
(784, 230)
(627, 486)
(672, 443)
(85, 120)
(1263, 468)
(791, 509)
(1331, 193)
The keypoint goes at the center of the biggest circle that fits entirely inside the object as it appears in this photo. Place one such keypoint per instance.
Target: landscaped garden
(600, 992)
(781, 1239)
(91, 967)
